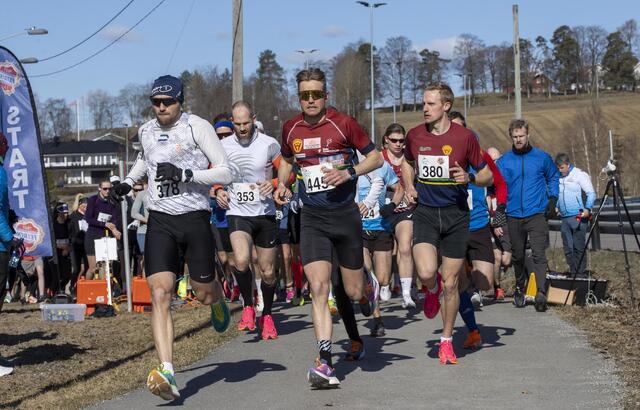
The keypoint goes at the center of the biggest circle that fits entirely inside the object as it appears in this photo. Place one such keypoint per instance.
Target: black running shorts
(262, 229)
(293, 224)
(283, 237)
(221, 237)
(190, 233)
(323, 229)
(377, 241)
(446, 228)
(480, 247)
(395, 219)
(503, 243)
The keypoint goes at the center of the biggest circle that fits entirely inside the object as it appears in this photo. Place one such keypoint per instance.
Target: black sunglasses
(104, 189)
(166, 101)
(396, 141)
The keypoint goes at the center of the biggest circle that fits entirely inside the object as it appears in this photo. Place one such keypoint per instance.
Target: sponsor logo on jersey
(447, 149)
(163, 137)
(424, 149)
(9, 77)
(312, 143)
(31, 233)
(297, 145)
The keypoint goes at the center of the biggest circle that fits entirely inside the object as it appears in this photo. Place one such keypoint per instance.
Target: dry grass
(72, 365)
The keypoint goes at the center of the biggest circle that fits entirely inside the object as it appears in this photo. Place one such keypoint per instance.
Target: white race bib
(246, 193)
(373, 213)
(102, 217)
(166, 189)
(433, 166)
(470, 199)
(313, 178)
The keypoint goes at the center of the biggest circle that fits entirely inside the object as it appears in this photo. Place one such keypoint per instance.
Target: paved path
(529, 361)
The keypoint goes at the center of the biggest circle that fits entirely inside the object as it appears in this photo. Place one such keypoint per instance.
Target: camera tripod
(618, 198)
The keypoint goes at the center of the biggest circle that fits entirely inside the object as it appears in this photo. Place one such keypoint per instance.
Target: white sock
(168, 367)
(330, 292)
(406, 286)
(446, 339)
(258, 283)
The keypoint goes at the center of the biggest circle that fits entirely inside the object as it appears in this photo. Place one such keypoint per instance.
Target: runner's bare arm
(398, 193)
(209, 143)
(373, 160)
(282, 192)
(408, 176)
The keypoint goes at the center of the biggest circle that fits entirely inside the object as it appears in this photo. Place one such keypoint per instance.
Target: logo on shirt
(424, 149)
(447, 149)
(29, 231)
(178, 148)
(163, 137)
(9, 78)
(312, 143)
(297, 145)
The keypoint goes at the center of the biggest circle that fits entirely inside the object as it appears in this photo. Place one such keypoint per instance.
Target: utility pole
(236, 63)
(516, 62)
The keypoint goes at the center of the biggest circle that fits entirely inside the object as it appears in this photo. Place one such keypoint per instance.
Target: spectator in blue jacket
(574, 210)
(532, 184)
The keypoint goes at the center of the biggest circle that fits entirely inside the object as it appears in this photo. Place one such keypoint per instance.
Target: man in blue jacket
(532, 183)
(574, 211)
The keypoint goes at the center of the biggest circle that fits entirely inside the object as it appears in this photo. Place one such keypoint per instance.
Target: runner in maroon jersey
(399, 219)
(438, 152)
(323, 143)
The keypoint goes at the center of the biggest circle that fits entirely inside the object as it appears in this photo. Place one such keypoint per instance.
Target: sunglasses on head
(396, 141)
(313, 94)
(166, 101)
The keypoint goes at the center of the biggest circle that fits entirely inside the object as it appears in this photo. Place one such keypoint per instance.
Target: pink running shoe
(248, 320)
(446, 354)
(268, 327)
(291, 293)
(322, 376)
(431, 305)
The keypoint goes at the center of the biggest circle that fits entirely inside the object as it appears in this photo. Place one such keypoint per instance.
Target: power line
(184, 25)
(103, 48)
(86, 39)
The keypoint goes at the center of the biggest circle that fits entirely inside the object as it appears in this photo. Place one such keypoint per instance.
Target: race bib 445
(313, 178)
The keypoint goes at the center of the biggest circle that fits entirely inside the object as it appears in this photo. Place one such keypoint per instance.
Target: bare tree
(492, 57)
(350, 81)
(98, 102)
(630, 35)
(395, 56)
(134, 100)
(469, 59)
(56, 116)
(595, 47)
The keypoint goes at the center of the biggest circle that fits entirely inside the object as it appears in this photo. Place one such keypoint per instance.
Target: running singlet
(184, 145)
(434, 155)
(372, 221)
(396, 168)
(331, 143)
(250, 163)
(477, 201)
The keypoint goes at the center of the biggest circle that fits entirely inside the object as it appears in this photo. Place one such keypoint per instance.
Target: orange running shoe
(474, 341)
(499, 294)
(446, 354)
(248, 320)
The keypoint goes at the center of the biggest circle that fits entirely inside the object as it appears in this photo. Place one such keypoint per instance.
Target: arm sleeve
(136, 207)
(552, 176)
(209, 143)
(377, 184)
(498, 180)
(90, 216)
(587, 187)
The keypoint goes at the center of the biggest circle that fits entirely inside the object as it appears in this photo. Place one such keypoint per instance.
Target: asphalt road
(529, 360)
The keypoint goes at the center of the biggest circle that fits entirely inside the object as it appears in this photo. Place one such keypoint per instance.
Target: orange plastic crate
(141, 294)
(91, 293)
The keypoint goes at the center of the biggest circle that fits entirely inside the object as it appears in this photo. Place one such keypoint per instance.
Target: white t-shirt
(190, 143)
(250, 163)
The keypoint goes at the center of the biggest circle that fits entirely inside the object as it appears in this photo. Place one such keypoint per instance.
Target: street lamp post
(371, 6)
(306, 59)
(32, 31)
(126, 147)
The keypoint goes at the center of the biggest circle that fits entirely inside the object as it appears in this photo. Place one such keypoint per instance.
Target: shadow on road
(10, 340)
(47, 353)
(229, 372)
(491, 336)
(375, 358)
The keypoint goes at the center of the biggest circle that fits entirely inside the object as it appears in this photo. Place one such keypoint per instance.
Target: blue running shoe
(220, 316)
(162, 383)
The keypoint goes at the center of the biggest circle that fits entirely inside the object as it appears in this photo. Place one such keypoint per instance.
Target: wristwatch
(352, 173)
(188, 175)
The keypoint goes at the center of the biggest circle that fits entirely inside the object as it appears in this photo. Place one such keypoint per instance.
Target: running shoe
(476, 300)
(499, 294)
(385, 293)
(5, 370)
(162, 383)
(220, 316)
(226, 289)
(248, 319)
(431, 305)
(291, 293)
(322, 375)
(356, 351)
(378, 329)
(541, 302)
(407, 302)
(298, 300)
(235, 293)
(333, 309)
(446, 354)
(474, 341)
(518, 298)
(268, 327)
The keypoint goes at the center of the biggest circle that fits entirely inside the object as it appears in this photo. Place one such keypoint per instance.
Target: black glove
(118, 191)
(499, 217)
(166, 171)
(387, 210)
(17, 244)
(550, 211)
